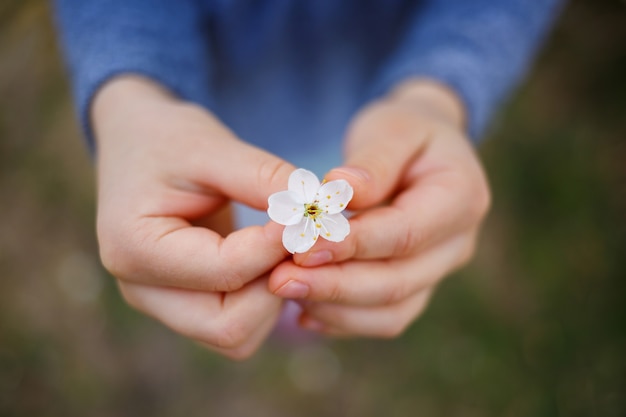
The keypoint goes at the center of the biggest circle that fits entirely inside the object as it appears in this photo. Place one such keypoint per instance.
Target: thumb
(380, 145)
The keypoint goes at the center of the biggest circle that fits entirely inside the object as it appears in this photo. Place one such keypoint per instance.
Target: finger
(371, 283)
(347, 321)
(169, 252)
(380, 144)
(233, 324)
(242, 171)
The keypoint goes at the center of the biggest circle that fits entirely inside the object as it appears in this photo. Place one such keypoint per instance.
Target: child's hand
(166, 173)
(420, 196)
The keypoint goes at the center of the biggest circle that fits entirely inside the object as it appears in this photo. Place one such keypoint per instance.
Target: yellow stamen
(312, 210)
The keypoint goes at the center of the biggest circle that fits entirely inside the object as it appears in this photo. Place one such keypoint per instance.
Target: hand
(420, 195)
(166, 173)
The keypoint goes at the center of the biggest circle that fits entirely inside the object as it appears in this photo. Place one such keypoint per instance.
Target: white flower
(310, 209)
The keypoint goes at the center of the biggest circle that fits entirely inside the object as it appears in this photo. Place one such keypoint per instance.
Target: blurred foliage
(535, 326)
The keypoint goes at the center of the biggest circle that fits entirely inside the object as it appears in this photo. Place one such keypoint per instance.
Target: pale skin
(167, 170)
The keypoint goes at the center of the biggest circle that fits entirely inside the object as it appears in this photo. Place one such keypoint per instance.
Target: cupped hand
(166, 174)
(420, 196)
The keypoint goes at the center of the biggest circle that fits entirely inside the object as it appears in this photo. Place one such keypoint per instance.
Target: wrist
(122, 96)
(432, 99)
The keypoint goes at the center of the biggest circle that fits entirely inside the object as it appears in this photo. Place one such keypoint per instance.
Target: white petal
(305, 183)
(334, 227)
(334, 196)
(300, 237)
(285, 208)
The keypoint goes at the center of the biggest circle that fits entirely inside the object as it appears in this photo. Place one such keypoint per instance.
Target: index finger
(170, 252)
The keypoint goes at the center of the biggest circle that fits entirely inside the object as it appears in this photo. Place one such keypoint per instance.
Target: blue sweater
(287, 75)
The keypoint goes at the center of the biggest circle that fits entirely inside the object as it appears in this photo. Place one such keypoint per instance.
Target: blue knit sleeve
(479, 48)
(160, 39)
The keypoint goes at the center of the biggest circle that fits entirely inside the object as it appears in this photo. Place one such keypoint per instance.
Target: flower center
(312, 210)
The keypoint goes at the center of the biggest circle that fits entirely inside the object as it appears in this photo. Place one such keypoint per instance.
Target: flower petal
(300, 237)
(285, 208)
(334, 227)
(305, 183)
(334, 196)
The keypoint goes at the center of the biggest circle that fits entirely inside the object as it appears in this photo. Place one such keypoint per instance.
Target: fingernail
(293, 289)
(358, 173)
(317, 258)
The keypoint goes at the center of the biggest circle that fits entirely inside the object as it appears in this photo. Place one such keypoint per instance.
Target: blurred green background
(534, 326)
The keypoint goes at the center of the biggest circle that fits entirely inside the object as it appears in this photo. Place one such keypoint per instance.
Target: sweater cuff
(159, 39)
(480, 49)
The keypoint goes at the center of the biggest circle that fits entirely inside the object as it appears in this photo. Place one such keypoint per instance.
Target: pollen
(328, 197)
(312, 210)
(318, 225)
(340, 205)
(301, 234)
(327, 234)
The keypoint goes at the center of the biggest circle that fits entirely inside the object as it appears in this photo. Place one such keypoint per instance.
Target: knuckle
(334, 293)
(223, 276)
(415, 236)
(334, 290)
(123, 249)
(392, 294)
(273, 171)
(229, 335)
(355, 247)
(406, 242)
(116, 258)
(228, 281)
